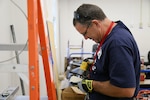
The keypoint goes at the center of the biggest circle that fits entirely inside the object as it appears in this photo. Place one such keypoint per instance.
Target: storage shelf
(146, 70)
(145, 82)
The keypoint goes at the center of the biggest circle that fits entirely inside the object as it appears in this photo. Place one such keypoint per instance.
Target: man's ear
(96, 22)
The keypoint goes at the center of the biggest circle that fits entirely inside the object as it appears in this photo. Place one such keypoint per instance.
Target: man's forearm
(110, 90)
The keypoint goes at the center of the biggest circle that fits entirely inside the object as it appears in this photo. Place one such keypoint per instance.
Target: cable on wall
(19, 9)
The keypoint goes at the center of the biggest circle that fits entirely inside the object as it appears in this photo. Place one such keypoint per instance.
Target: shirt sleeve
(121, 67)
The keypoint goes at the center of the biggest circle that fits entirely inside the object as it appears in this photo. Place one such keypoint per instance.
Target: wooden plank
(53, 51)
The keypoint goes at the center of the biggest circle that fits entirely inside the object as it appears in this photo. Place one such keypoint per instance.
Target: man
(115, 72)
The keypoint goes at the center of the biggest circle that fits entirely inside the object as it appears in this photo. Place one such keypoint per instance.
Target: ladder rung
(75, 45)
(75, 48)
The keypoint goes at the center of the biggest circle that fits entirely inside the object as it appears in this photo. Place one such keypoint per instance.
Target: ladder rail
(51, 92)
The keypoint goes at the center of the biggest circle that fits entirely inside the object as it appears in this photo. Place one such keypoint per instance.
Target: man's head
(85, 17)
(86, 13)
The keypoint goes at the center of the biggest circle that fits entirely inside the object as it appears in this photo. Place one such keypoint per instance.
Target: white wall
(126, 10)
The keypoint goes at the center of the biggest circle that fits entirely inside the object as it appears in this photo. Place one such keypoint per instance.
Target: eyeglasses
(86, 30)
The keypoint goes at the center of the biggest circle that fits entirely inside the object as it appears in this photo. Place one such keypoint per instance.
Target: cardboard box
(71, 94)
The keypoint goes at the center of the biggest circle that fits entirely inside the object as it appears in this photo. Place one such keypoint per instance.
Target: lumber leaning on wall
(53, 51)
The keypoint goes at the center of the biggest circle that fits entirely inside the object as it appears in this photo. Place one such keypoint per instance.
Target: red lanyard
(102, 41)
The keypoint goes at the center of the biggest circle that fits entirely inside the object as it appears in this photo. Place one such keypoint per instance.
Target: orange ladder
(35, 31)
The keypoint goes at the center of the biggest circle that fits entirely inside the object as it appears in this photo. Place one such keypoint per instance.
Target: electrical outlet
(140, 25)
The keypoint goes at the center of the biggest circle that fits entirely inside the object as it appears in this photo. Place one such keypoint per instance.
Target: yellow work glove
(86, 85)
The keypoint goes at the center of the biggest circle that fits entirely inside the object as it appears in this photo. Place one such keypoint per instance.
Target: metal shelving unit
(146, 83)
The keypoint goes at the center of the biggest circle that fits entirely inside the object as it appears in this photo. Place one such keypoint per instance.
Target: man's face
(90, 31)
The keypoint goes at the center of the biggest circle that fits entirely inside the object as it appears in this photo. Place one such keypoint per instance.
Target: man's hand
(86, 85)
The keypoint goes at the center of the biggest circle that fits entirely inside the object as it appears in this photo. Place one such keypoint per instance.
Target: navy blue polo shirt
(118, 61)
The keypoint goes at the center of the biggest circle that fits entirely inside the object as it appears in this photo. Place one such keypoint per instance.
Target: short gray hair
(87, 12)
